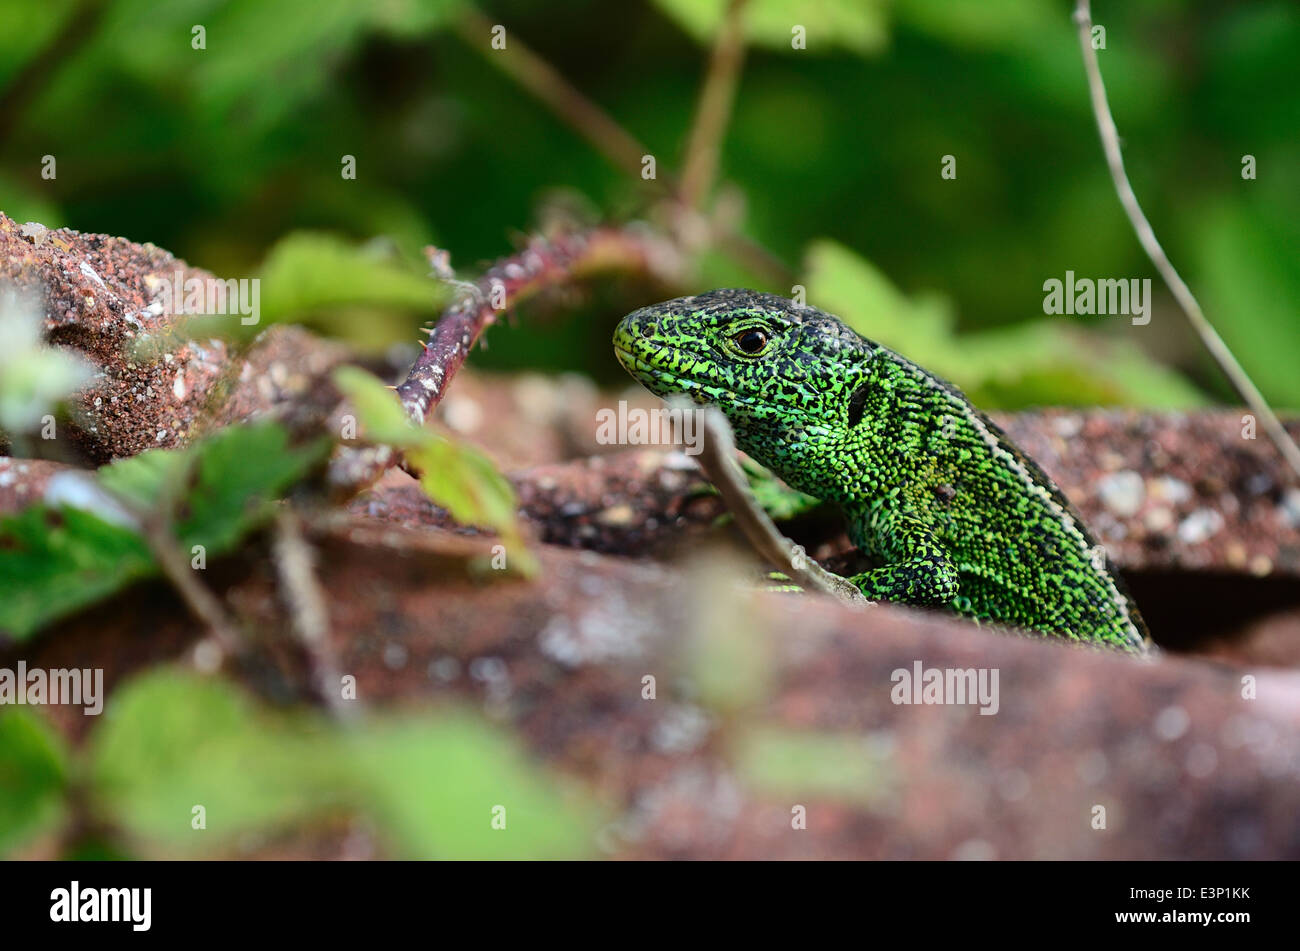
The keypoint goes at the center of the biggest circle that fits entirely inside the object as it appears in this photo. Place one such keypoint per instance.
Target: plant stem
(718, 460)
(541, 79)
(716, 98)
(1147, 237)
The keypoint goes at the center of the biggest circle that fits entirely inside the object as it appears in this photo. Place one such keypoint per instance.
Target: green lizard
(935, 493)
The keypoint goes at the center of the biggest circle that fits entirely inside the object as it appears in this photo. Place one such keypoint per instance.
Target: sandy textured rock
(101, 297)
(1172, 490)
(107, 298)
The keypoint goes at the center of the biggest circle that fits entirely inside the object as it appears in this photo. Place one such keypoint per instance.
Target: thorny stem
(714, 109)
(718, 460)
(1147, 237)
(542, 264)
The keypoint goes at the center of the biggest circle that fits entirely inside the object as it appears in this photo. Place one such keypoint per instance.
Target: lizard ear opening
(857, 405)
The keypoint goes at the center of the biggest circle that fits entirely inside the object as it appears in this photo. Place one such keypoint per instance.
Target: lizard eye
(751, 341)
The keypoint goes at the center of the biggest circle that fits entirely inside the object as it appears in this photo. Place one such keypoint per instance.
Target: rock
(107, 298)
(1089, 754)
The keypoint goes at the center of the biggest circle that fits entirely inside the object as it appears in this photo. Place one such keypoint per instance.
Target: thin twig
(1182, 293)
(718, 460)
(538, 77)
(41, 70)
(156, 530)
(716, 98)
(295, 563)
(567, 102)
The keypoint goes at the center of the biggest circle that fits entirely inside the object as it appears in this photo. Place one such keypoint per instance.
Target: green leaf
(846, 284)
(172, 741)
(857, 25)
(56, 560)
(466, 483)
(1038, 362)
(434, 783)
(240, 470)
(143, 478)
(34, 378)
(33, 775)
(358, 293)
(456, 476)
(1249, 284)
(788, 763)
(234, 475)
(175, 740)
(381, 415)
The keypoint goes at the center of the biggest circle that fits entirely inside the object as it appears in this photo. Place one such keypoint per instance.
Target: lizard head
(783, 373)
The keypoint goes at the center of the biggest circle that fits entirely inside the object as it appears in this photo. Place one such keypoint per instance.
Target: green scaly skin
(954, 513)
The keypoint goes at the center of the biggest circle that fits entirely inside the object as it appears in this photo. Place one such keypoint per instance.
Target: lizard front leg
(917, 569)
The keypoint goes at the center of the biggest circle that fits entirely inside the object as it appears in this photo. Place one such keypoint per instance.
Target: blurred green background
(229, 156)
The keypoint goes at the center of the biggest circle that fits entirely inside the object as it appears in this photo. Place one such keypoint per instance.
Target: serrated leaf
(233, 476)
(56, 559)
(239, 471)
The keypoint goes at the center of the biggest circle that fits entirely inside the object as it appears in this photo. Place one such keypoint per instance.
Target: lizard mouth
(663, 382)
(656, 379)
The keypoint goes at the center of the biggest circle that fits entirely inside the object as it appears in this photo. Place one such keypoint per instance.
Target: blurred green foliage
(429, 786)
(33, 777)
(34, 378)
(220, 153)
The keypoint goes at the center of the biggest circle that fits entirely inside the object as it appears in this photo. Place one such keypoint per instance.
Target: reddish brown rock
(108, 299)
(769, 703)
(101, 297)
